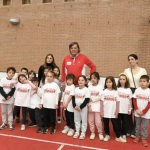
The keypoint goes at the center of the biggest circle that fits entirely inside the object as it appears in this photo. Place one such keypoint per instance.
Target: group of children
(87, 103)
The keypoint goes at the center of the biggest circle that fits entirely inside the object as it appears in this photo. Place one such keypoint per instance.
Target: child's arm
(96, 99)
(117, 109)
(136, 107)
(3, 93)
(86, 100)
(144, 111)
(31, 84)
(57, 99)
(101, 108)
(11, 93)
(68, 100)
(73, 101)
(130, 106)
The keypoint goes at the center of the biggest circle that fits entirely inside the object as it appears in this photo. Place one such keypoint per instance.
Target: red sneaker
(136, 140)
(144, 142)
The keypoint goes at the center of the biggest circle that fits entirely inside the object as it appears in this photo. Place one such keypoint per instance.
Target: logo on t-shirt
(49, 90)
(23, 90)
(6, 86)
(123, 95)
(79, 95)
(94, 93)
(142, 97)
(67, 92)
(109, 98)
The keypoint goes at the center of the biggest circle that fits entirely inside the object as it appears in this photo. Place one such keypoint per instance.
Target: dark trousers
(17, 114)
(123, 123)
(69, 119)
(49, 117)
(32, 115)
(38, 117)
(115, 124)
(24, 113)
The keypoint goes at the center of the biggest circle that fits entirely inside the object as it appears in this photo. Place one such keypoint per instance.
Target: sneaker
(76, 135)
(39, 130)
(120, 139)
(45, 130)
(82, 136)
(101, 137)
(128, 134)
(124, 137)
(70, 132)
(144, 142)
(133, 136)
(136, 140)
(66, 129)
(53, 130)
(17, 120)
(3, 126)
(32, 124)
(23, 127)
(107, 138)
(92, 136)
(59, 120)
(11, 127)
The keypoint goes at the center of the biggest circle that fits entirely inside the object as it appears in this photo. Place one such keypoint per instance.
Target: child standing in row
(7, 99)
(67, 104)
(49, 103)
(125, 106)
(110, 108)
(80, 101)
(142, 110)
(94, 106)
(22, 97)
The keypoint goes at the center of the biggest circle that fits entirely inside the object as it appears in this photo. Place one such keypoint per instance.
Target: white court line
(61, 147)
(54, 142)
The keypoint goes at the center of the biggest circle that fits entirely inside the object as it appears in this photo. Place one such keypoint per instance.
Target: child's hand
(129, 112)
(102, 114)
(141, 114)
(77, 108)
(40, 106)
(8, 97)
(3, 99)
(90, 109)
(116, 114)
(61, 104)
(65, 105)
(91, 100)
(56, 106)
(138, 112)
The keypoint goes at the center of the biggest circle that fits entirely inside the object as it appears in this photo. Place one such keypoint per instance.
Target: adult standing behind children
(49, 62)
(134, 72)
(75, 63)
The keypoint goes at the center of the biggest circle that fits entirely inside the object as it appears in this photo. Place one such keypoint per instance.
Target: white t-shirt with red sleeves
(69, 91)
(35, 98)
(50, 95)
(7, 86)
(95, 91)
(22, 95)
(143, 97)
(81, 94)
(109, 98)
(125, 94)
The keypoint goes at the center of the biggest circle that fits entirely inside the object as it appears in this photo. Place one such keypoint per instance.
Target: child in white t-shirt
(7, 98)
(141, 100)
(80, 101)
(110, 108)
(34, 110)
(67, 104)
(22, 97)
(94, 106)
(49, 103)
(125, 106)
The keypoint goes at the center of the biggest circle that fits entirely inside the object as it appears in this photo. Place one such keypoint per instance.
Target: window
(26, 2)
(69, 0)
(6, 2)
(47, 1)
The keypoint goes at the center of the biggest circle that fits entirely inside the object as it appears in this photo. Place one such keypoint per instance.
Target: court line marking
(61, 147)
(54, 142)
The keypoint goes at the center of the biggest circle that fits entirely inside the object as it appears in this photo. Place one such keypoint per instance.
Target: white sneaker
(101, 137)
(124, 137)
(23, 127)
(76, 135)
(82, 136)
(120, 139)
(66, 129)
(11, 127)
(107, 138)
(92, 136)
(70, 132)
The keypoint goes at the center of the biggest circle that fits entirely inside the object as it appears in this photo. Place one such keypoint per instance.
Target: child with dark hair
(67, 104)
(34, 110)
(22, 97)
(31, 74)
(7, 99)
(141, 99)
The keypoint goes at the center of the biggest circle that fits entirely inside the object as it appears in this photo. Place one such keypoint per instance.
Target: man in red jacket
(76, 63)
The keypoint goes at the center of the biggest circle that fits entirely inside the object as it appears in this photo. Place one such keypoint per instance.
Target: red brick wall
(107, 31)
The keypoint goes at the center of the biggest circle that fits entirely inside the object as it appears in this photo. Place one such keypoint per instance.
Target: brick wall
(107, 31)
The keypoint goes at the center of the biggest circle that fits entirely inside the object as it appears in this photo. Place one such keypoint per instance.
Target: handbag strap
(133, 78)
